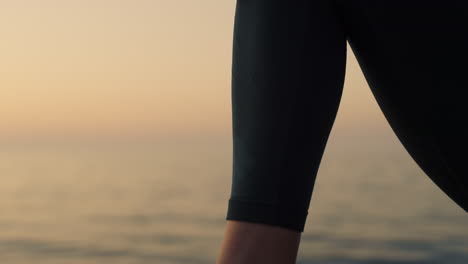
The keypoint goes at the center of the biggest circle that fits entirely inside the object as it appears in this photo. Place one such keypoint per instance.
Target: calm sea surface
(161, 203)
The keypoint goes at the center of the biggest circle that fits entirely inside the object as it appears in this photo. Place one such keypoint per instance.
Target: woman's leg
(414, 55)
(287, 79)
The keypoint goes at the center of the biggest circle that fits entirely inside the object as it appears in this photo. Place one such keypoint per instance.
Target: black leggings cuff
(277, 215)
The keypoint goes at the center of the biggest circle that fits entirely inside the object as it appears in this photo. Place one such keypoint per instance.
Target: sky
(102, 67)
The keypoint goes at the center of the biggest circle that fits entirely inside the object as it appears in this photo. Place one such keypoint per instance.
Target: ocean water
(165, 202)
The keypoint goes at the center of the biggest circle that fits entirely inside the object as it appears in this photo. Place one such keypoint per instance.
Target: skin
(253, 243)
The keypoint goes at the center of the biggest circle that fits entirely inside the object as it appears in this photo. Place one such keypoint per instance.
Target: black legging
(288, 73)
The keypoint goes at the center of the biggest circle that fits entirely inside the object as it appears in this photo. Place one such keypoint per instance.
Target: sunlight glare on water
(166, 203)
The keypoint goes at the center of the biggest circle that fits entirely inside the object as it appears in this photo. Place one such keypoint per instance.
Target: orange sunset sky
(131, 66)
